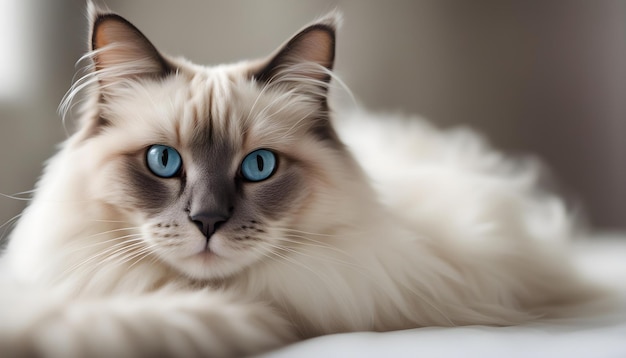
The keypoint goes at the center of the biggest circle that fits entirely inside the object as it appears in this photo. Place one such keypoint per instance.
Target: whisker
(142, 254)
(31, 191)
(14, 197)
(316, 255)
(352, 233)
(286, 257)
(9, 224)
(108, 251)
(114, 230)
(111, 221)
(122, 248)
(133, 237)
(123, 255)
(270, 256)
(290, 238)
(297, 263)
(111, 257)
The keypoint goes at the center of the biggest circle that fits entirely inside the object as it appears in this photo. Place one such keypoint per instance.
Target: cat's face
(214, 164)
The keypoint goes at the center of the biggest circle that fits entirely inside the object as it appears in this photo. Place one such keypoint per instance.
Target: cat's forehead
(230, 103)
(211, 106)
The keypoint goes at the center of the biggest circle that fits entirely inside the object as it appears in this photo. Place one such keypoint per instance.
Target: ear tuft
(308, 57)
(120, 50)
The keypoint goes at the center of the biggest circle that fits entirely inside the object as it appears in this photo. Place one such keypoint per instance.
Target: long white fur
(429, 227)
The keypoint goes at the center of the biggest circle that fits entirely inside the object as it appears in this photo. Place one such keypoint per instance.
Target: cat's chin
(209, 264)
(204, 265)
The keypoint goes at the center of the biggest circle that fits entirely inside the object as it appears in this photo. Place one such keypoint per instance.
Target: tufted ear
(121, 51)
(306, 59)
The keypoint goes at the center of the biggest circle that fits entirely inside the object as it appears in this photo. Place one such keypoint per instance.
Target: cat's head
(221, 167)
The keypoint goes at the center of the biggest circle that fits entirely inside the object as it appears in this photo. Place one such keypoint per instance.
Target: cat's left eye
(163, 161)
(258, 165)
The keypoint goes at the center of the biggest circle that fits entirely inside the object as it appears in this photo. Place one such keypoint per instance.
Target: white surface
(600, 340)
(598, 337)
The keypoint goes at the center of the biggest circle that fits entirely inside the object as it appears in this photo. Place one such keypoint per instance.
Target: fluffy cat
(226, 211)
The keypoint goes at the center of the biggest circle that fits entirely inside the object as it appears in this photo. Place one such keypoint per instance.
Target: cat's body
(406, 226)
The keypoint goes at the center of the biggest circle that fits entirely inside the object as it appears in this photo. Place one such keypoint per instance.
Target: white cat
(227, 210)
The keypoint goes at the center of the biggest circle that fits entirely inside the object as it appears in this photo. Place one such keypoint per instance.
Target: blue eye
(258, 165)
(163, 161)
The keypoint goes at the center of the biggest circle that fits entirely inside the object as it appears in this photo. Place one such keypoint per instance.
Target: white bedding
(604, 258)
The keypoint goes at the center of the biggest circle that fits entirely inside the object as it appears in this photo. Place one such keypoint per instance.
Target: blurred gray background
(541, 77)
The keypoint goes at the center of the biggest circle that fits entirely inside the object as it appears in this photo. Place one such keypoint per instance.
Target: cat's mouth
(211, 251)
(205, 255)
(214, 261)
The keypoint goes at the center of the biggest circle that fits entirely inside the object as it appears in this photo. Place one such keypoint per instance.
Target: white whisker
(13, 219)
(127, 238)
(317, 255)
(114, 230)
(343, 235)
(9, 223)
(31, 191)
(14, 197)
(111, 221)
(108, 251)
(118, 255)
(297, 263)
(142, 254)
(290, 238)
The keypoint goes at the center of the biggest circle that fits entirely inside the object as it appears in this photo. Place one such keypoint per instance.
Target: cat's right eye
(163, 161)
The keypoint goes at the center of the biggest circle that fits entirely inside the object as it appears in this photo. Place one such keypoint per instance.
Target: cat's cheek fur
(121, 183)
(280, 197)
(334, 181)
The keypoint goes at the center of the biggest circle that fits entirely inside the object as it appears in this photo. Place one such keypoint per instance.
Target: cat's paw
(197, 324)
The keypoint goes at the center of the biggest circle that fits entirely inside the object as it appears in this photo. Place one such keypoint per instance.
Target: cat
(228, 210)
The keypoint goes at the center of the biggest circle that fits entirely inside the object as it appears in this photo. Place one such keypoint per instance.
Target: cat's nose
(208, 223)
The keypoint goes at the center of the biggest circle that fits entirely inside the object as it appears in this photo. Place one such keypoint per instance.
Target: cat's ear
(305, 60)
(120, 51)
